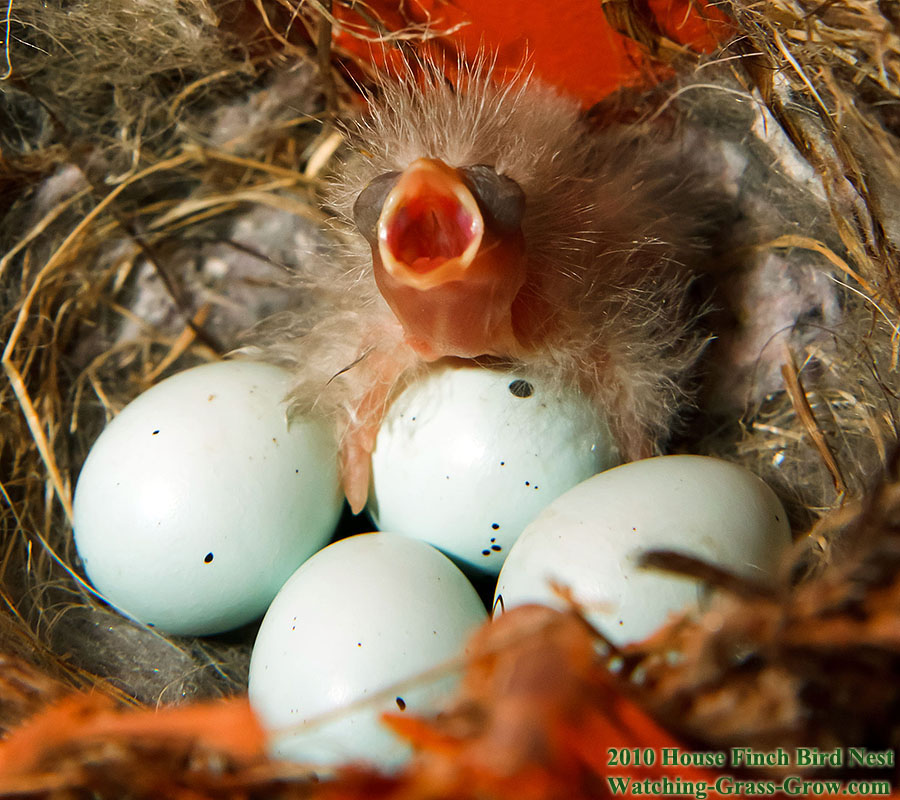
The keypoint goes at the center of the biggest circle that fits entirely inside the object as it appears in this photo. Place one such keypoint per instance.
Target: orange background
(570, 44)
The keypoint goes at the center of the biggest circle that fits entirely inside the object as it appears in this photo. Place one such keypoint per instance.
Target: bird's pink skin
(359, 438)
(451, 279)
(379, 368)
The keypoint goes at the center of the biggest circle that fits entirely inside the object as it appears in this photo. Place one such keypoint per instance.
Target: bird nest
(160, 173)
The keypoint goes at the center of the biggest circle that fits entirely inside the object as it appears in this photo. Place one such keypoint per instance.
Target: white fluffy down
(613, 221)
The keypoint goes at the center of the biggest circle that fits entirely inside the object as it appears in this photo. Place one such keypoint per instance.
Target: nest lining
(136, 181)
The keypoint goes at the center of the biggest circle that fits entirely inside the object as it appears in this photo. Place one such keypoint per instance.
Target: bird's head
(448, 254)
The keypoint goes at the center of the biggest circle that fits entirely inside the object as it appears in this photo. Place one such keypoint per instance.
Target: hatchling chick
(490, 221)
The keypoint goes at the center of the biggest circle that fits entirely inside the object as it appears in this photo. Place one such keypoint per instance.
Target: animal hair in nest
(162, 193)
(76, 92)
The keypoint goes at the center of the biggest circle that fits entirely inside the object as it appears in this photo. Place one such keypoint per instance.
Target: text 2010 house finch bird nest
(167, 174)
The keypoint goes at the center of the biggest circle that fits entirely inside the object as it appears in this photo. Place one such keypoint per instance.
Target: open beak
(430, 228)
(449, 269)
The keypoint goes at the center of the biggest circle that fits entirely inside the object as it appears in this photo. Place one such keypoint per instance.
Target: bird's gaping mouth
(430, 227)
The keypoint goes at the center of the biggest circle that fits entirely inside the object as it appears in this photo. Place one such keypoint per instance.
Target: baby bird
(489, 221)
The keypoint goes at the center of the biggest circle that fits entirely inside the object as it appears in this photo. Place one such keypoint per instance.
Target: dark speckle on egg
(485, 552)
(208, 558)
(155, 433)
(495, 526)
(401, 703)
(520, 388)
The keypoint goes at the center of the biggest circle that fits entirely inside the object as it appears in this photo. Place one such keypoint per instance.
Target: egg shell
(367, 613)
(198, 500)
(467, 456)
(590, 540)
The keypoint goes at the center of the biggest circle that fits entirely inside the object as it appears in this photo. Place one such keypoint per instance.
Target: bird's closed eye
(367, 208)
(500, 198)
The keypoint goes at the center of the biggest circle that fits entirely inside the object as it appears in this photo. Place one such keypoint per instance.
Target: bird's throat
(465, 318)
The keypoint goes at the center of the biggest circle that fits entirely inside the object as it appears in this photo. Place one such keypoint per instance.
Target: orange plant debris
(535, 720)
(84, 741)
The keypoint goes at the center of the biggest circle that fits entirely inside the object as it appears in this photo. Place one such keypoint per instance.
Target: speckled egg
(198, 500)
(467, 456)
(361, 628)
(590, 539)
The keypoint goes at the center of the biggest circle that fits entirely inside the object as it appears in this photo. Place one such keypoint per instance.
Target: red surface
(569, 44)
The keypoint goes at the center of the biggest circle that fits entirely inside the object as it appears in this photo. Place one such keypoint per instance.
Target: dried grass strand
(806, 243)
(185, 339)
(6, 36)
(41, 227)
(805, 413)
